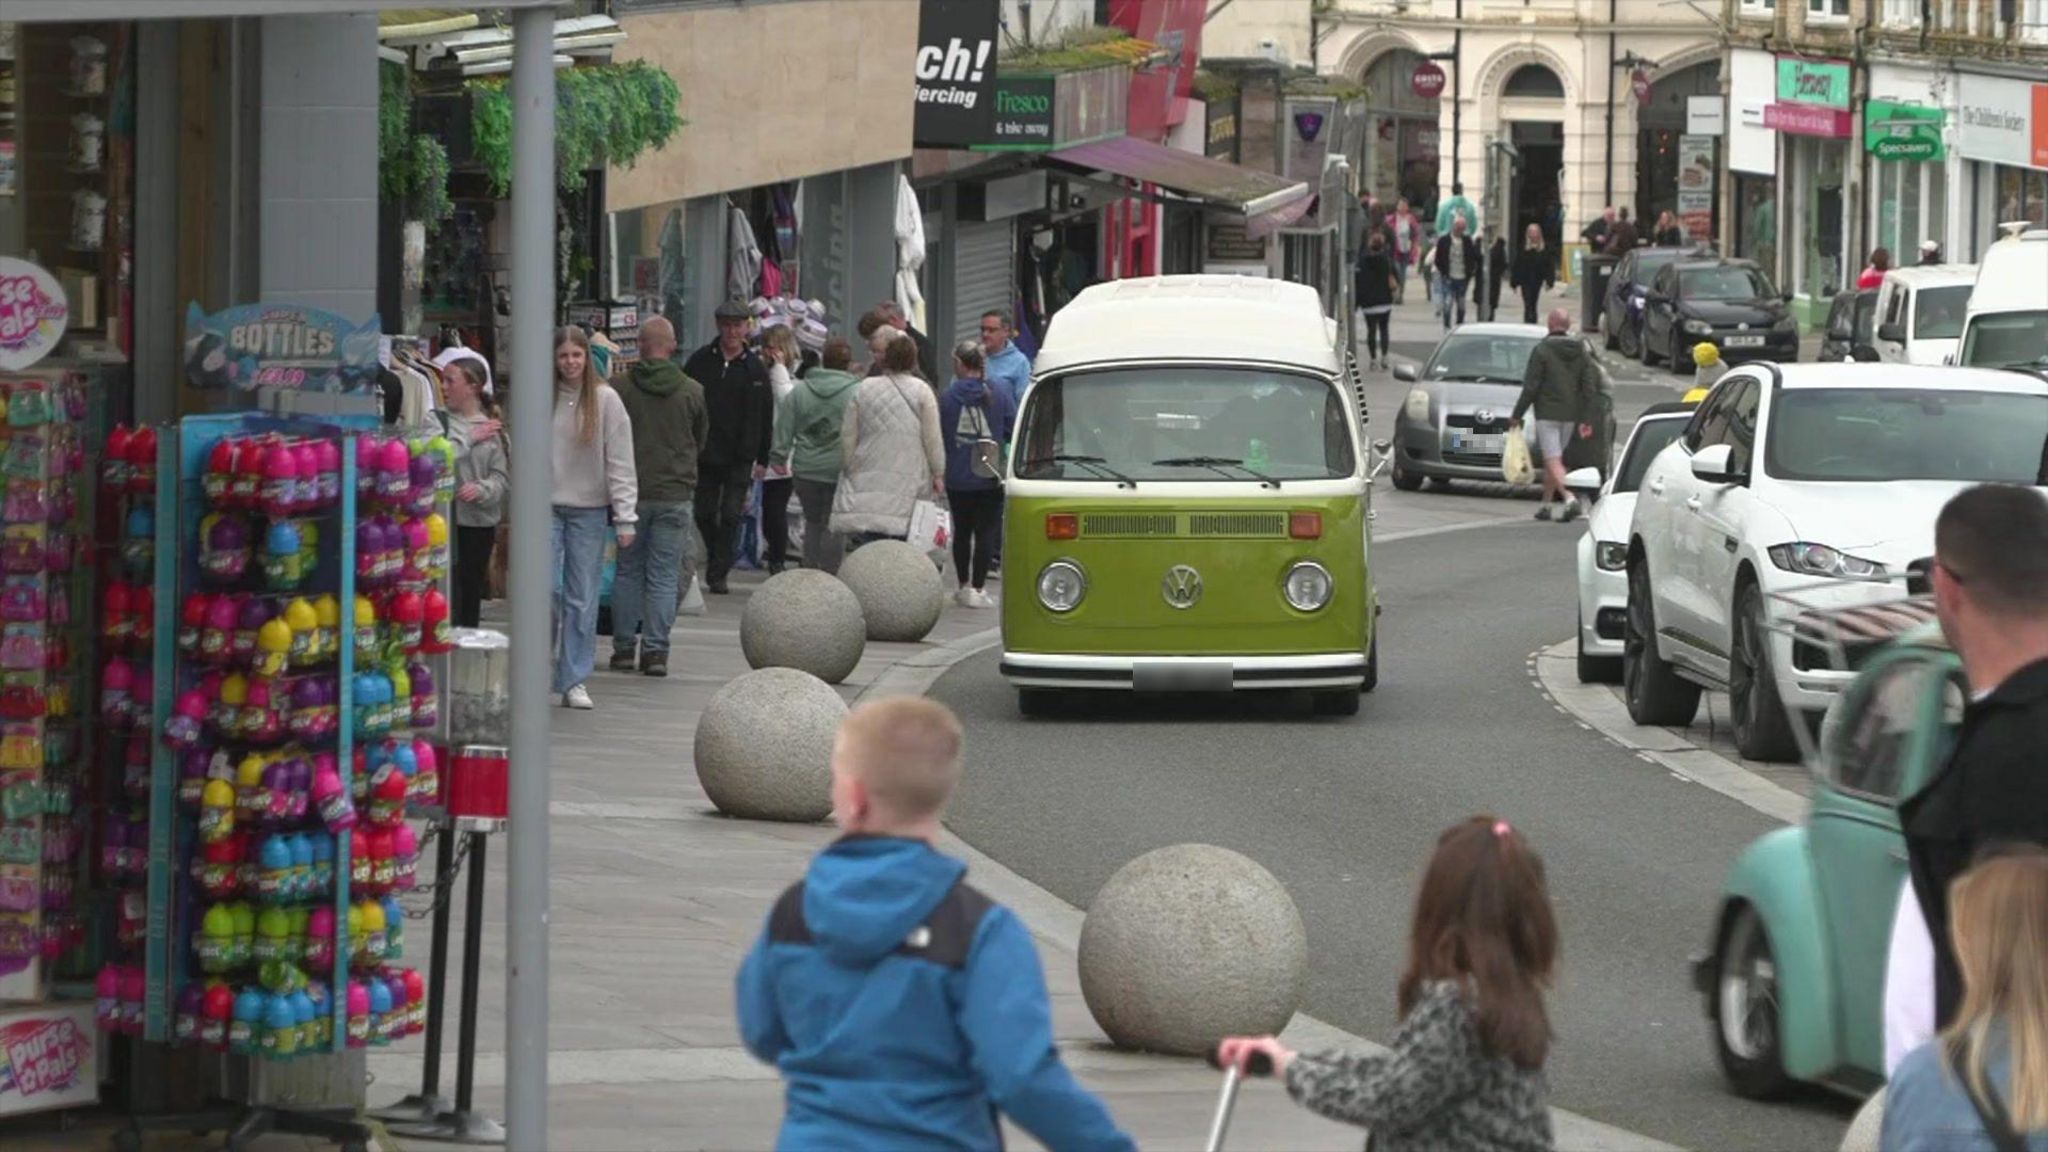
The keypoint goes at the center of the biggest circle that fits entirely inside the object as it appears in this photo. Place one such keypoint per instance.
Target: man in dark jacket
(669, 427)
(894, 316)
(1991, 592)
(741, 407)
(1562, 383)
(1622, 238)
(1457, 265)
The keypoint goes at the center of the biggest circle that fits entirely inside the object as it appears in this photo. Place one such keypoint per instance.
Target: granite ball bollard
(764, 746)
(1865, 1127)
(1188, 944)
(804, 619)
(899, 589)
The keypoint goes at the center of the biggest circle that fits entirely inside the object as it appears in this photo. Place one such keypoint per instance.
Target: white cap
(450, 355)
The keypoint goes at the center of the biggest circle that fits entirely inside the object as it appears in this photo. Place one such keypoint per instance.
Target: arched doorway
(1676, 173)
(1401, 145)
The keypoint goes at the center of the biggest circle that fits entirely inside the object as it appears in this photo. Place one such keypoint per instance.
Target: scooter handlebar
(1258, 1065)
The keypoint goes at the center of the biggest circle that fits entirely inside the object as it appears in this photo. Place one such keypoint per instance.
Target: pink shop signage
(1808, 120)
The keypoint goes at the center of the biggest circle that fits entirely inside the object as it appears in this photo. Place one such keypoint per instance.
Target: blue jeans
(1451, 298)
(651, 576)
(577, 537)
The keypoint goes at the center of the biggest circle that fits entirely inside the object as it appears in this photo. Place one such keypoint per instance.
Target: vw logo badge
(1483, 416)
(1743, 327)
(1182, 586)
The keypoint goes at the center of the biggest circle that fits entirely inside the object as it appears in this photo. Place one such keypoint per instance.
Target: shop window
(1533, 82)
(2034, 21)
(1901, 13)
(1759, 9)
(1827, 11)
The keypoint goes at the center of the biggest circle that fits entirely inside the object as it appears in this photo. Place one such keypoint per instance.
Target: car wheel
(1656, 695)
(1038, 701)
(1372, 661)
(1763, 730)
(1405, 480)
(1596, 669)
(1631, 345)
(1747, 1025)
(1607, 339)
(1335, 702)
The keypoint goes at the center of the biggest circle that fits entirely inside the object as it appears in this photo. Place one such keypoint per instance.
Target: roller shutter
(984, 262)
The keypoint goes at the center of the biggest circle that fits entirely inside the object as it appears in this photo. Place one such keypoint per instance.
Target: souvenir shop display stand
(286, 609)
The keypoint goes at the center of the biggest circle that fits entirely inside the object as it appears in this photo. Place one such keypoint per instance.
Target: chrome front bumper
(1183, 673)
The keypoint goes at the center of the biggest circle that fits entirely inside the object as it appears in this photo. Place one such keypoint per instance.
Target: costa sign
(1639, 83)
(1428, 81)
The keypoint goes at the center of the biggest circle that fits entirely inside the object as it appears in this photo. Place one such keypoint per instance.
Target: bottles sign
(33, 313)
(283, 346)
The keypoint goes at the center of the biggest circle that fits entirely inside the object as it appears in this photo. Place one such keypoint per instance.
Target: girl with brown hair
(1466, 1068)
(594, 482)
(1983, 1084)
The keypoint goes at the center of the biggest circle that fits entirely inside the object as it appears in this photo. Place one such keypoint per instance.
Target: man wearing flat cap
(742, 410)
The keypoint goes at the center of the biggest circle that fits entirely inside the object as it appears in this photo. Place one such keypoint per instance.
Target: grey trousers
(823, 548)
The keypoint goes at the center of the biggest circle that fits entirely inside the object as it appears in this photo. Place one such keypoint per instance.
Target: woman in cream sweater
(594, 481)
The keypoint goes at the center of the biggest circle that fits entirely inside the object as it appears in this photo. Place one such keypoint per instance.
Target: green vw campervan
(1190, 495)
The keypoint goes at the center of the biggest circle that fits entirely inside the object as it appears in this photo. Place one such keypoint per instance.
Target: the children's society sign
(48, 1059)
(33, 312)
(281, 346)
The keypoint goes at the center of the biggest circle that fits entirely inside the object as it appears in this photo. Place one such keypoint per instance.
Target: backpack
(985, 458)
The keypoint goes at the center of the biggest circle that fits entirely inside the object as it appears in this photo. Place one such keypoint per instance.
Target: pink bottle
(134, 988)
(327, 458)
(280, 492)
(369, 451)
(358, 1014)
(426, 777)
(117, 683)
(336, 808)
(394, 470)
(419, 550)
(217, 638)
(320, 941)
(405, 858)
(106, 1007)
(307, 498)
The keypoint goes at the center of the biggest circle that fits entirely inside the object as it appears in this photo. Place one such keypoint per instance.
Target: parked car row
(1454, 422)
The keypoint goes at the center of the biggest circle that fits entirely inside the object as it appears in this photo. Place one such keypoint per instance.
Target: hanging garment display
(742, 255)
(910, 252)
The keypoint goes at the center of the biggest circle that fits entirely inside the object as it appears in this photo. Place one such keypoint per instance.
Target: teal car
(1793, 977)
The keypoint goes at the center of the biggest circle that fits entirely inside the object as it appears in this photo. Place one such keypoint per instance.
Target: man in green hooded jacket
(670, 422)
(807, 423)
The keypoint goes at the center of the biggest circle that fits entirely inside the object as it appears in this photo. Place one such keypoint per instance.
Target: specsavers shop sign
(956, 72)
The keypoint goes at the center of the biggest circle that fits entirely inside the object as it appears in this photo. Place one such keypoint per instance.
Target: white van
(2008, 322)
(1920, 312)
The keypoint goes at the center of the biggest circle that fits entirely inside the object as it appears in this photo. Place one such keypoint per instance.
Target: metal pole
(533, 317)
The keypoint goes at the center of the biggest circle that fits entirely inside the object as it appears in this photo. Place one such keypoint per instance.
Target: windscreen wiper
(1216, 464)
(1098, 464)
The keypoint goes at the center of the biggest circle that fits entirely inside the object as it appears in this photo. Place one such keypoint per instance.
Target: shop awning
(1217, 183)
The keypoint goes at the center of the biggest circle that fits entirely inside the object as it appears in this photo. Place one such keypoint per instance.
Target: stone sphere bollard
(898, 587)
(804, 619)
(1865, 1127)
(764, 746)
(1188, 944)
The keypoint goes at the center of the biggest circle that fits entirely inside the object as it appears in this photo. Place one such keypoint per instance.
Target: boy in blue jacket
(905, 1009)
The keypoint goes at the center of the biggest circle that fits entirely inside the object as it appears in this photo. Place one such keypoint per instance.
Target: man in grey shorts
(1562, 384)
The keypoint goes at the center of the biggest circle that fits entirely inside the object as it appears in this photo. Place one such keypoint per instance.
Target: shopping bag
(692, 601)
(1514, 459)
(931, 527)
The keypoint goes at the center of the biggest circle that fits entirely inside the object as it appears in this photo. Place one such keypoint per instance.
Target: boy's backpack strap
(945, 938)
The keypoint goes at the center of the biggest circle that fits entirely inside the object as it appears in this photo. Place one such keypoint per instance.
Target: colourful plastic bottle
(300, 918)
(215, 947)
(407, 612)
(367, 641)
(220, 874)
(304, 623)
(255, 614)
(251, 465)
(416, 1001)
(419, 554)
(216, 1010)
(216, 639)
(337, 809)
(394, 928)
(116, 622)
(280, 1040)
(280, 492)
(395, 1021)
(187, 720)
(359, 869)
(245, 932)
(368, 451)
(327, 628)
(246, 1025)
(437, 537)
(383, 867)
(323, 1014)
(374, 940)
(306, 498)
(323, 864)
(426, 701)
(320, 940)
(216, 811)
(380, 1012)
(274, 864)
(134, 989)
(328, 456)
(308, 1020)
(272, 927)
(439, 636)
(263, 715)
(303, 865)
(358, 1014)
(387, 802)
(252, 799)
(117, 682)
(426, 777)
(142, 609)
(443, 451)
(282, 566)
(192, 622)
(231, 697)
(218, 479)
(142, 461)
(114, 465)
(185, 1019)
(398, 710)
(368, 565)
(394, 470)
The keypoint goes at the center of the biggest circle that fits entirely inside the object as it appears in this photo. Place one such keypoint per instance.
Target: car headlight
(1610, 555)
(1417, 407)
(1061, 586)
(1821, 560)
(1698, 327)
(1308, 586)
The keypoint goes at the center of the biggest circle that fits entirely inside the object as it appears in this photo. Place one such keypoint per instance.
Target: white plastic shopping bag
(1515, 466)
(931, 527)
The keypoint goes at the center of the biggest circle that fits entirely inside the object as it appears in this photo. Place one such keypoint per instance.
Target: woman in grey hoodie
(594, 477)
(482, 476)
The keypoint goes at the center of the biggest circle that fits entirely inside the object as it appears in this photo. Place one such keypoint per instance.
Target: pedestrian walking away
(1562, 384)
(1930, 252)
(1376, 286)
(1534, 272)
(1982, 1085)
(1498, 264)
(904, 1008)
(1456, 263)
(1008, 369)
(1456, 207)
(1465, 1072)
(741, 408)
(1873, 274)
(482, 476)
(779, 348)
(891, 313)
(1990, 577)
(891, 448)
(807, 430)
(977, 420)
(593, 479)
(670, 426)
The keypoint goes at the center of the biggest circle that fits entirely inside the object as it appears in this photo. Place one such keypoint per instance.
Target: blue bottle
(247, 1022)
(380, 1013)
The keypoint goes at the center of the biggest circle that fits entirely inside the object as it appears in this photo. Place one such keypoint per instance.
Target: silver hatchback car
(1454, 423)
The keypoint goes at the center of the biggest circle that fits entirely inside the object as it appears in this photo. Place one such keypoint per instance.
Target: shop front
(1751, 217)
(1402, 108)
(2002, 137)
(1811, 115)
(1905, 136)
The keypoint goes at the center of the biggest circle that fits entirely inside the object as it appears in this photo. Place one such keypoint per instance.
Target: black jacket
(1670, 237)
(1994, 789)
(1534, 268)
(1375, 280)
(1443, 256)
(741, 406)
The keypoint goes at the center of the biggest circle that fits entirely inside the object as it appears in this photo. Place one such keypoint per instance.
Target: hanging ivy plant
(605, 116)
(412, 168)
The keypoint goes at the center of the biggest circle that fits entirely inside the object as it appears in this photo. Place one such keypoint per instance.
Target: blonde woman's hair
(586, 393)
(781, 338)
(1998, 920)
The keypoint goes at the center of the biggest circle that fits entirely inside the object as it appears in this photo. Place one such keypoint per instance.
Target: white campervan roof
(1191, 318)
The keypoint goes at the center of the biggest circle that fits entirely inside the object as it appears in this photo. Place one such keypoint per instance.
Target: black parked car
(1729, 303)
(1851, 321)
(1621, 320)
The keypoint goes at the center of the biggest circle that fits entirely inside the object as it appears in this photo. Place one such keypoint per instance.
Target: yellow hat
(1704, 353)
(1695, 396)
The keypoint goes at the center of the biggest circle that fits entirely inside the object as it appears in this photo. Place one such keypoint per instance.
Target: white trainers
(578, 698)
(964, 597)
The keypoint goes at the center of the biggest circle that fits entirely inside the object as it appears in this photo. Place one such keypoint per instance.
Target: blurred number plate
(1181, 677)
(1745, 341)
(1489, 443)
